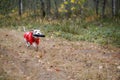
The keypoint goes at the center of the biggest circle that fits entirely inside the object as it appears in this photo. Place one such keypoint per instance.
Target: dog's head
(37, 33)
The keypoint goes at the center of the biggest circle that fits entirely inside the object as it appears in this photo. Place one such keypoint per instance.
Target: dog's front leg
(35, 46)
(27, 43)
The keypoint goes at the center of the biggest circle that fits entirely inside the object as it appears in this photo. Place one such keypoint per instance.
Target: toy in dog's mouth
(39, 35)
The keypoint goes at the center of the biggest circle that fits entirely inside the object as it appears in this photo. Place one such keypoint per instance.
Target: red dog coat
(29, 38)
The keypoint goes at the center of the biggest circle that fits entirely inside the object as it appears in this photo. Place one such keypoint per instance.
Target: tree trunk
(20, 7)
(67, 7)
(48, 8)
(113, 7)
(117, 7)
(97, 6)
(43, 8)
(56, 9)
(34, 6)
(103, 8)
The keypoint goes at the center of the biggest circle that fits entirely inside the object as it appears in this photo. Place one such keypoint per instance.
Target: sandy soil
(56, 59)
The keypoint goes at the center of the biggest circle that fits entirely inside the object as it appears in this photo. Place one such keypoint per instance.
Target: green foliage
(104, 31)
(102, 35)
(72, 5)
(7, 6)
(107, 34)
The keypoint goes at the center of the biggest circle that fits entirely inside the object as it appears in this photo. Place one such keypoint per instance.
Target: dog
(33, 38)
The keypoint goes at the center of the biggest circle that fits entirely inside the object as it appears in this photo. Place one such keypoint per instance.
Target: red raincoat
(29, 37)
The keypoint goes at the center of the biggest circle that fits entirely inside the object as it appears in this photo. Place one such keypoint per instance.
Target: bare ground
(57, 59)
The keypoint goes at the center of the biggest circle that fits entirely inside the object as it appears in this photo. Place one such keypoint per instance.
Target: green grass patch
(104, 31)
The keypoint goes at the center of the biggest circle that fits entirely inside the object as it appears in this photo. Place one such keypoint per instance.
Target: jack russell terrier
(32, 38)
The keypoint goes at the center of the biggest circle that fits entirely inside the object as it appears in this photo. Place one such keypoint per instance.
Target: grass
(104, 31)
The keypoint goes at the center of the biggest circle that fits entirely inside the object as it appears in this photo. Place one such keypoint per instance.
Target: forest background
(95, 21)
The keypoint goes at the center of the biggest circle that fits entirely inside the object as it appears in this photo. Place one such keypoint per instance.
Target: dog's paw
(27, 44)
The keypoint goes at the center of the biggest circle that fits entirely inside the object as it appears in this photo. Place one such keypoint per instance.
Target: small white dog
(32, 38)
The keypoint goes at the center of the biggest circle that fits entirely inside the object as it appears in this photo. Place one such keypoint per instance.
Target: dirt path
(57, 59)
